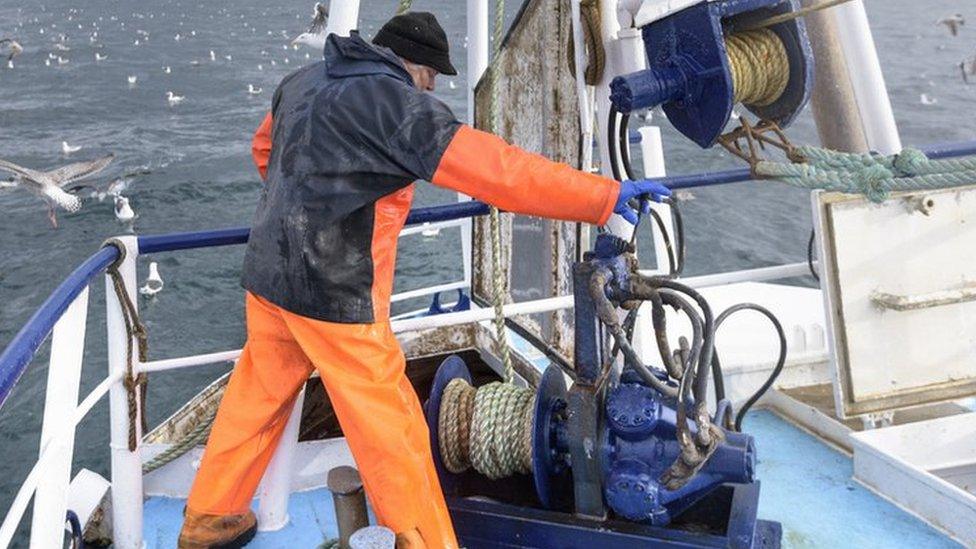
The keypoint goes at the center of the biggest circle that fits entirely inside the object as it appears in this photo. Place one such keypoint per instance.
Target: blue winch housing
(688, 72)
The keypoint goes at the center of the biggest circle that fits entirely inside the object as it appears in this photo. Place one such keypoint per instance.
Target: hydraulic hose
(780, 361)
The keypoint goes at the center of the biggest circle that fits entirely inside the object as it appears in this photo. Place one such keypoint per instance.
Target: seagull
(61, 47)
(49, 185)
(213, 56)
(252, 90)
(167, 70)
(63, 61)
(123, 212)
(967, 67)
(14, 49)
(314, 37)
(100, 57)
(154, 282)
(113, 188)
(68, 149)
(952, 22)
(132, 80)
(174, 99)
(430, 232)
(926, 100)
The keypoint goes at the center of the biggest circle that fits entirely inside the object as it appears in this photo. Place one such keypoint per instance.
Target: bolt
(638, 420)
(648, 412)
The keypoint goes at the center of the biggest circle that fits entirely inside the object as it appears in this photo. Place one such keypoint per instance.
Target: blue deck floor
(806, 486)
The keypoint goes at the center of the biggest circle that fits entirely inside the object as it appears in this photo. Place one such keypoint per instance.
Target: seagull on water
(154, 282)
(100, 57)
(68, 149)
(49, 185)
(13, 48)
(926, 100)
(252, 90)
(174, 99)
(952, 22)
(132, 80)
(123, 212)
(314, 37)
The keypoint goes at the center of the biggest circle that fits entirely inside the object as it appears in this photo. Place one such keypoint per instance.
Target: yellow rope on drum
(760, 67)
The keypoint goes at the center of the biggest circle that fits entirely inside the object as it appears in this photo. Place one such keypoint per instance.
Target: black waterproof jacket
(350, 135)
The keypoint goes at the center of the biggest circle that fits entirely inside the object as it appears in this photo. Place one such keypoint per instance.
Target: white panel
(888, 358)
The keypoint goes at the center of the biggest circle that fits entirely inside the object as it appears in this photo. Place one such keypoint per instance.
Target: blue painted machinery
(690, 74)
(627, 456)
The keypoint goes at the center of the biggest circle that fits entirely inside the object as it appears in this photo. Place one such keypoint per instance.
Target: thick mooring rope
(874, 176)
(760, 67)
(488, 428)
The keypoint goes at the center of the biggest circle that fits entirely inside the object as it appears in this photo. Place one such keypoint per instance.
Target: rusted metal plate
(538, 111)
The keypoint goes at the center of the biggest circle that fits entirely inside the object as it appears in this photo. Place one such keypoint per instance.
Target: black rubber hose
(623, 144)
(679, 230)
(717, 380)
(672, 263)
(612, 143)
(779, 362)
(813, 271)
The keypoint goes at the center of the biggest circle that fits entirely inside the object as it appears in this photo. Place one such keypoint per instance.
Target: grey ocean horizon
(203, 178)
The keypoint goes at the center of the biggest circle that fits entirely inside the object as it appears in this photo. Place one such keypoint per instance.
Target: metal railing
(64, 314)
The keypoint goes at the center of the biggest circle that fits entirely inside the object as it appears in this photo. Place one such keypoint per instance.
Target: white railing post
(276, 484)
(343, 17)
(477, 23)
(126, 465)
(60, 401)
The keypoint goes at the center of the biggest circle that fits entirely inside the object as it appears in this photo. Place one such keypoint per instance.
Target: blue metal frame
(17, 355)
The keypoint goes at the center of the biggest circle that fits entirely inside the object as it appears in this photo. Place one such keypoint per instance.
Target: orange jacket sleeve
(261, 146)
(482, 165)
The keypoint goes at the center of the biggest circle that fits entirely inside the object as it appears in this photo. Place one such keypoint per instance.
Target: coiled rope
(759, 65)
(871, 175)
(489, 428)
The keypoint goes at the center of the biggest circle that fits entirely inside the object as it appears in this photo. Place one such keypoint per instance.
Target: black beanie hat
(417, 37)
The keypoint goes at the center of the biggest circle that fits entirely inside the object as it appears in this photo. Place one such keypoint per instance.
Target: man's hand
(643, 189)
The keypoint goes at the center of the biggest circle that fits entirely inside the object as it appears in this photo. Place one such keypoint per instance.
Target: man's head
(418, 39)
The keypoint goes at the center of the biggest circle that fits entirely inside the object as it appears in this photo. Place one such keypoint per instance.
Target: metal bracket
(878, 420)
(923, 301)
(756, 138)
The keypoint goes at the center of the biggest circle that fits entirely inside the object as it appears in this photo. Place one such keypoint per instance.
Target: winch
(708, 57)
(627, 454)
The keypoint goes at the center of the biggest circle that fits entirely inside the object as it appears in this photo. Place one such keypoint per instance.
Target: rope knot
(909, 162)
(872, 182)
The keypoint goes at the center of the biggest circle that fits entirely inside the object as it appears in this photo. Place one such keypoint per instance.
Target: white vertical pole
(126, 465)
(477, 22)
(582, 94)
(866, 78)
(343, 17)
(609, 25)
(60, 401)
(276, 484)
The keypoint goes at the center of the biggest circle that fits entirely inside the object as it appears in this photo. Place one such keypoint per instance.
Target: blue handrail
(19, 352)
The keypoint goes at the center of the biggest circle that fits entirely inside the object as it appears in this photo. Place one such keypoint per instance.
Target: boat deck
(806, 485)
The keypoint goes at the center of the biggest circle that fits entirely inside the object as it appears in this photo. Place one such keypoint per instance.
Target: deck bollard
(349, 500)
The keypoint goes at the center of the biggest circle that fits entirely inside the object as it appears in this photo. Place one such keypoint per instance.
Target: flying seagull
(314, 37)
(49, 185)
(13, 47)
(952, 22)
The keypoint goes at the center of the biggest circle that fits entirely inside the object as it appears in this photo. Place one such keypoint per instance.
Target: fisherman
(344, 142)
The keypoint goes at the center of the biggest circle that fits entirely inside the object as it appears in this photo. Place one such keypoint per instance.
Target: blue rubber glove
(643, 189)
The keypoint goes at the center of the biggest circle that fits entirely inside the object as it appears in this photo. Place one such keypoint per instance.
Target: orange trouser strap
(362, 368)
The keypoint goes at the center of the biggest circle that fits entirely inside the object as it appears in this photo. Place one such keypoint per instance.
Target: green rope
(198, 434)
(874, 176)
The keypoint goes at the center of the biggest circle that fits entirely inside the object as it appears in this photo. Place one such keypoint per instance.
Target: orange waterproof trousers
(362, 368)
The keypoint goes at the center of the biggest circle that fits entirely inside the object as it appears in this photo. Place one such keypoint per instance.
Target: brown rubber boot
(216, 532)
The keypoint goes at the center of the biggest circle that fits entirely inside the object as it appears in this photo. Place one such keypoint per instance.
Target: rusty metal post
(349, 500)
